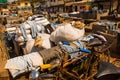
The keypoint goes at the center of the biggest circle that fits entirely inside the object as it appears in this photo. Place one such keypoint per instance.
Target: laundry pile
(37, 36)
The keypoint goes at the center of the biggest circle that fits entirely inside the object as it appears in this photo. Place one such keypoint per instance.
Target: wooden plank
(4, 75)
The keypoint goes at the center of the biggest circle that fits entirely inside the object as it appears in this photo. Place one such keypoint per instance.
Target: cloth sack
(49, 55)
(10, 29)
(29, 46)
(66, 33)
(45, 40)
(23, 64)
(21, 39)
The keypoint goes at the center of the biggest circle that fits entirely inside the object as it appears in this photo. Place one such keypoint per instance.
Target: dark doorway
(76, 8)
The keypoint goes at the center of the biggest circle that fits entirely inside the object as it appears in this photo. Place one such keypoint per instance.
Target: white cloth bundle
(29, 46)
(66, 33)
(35, 58)
(11, 29)
(27, 26)
(45, 43)
(19, 31)
(24, 63)
(45, 40)
(27, 30)
(43, 21)
(21, 39)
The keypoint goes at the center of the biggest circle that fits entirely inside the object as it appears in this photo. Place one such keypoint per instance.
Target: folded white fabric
(16, 63)
(29, 46)
(8, 26)
(45, 43)
(11, 29)
(39, 27)
(42, 18)
(19, 31)
(30, 18)
(24, 63)
(21, 39)
(35, 58)
(45, 40)
(27, 26)
(43, 22)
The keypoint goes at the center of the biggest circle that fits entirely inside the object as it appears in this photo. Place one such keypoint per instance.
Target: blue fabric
(66, 43)
(42, 29)
(85, 50)
(79, 44)
(87, 38)
(24, 34)
(34, 28)
(70, 49)
(73, 51)
(54, 25)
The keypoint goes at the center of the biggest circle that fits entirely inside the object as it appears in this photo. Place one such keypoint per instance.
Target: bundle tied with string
(78, 24)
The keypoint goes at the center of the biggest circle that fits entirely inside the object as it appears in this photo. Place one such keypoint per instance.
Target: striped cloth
(40, 19)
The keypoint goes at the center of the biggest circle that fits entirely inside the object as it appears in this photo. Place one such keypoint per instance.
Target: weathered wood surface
(3, 55)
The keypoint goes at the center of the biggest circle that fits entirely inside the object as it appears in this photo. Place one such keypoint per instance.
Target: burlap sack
(49, 54)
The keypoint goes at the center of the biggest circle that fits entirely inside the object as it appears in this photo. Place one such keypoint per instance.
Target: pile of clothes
(70, 32)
